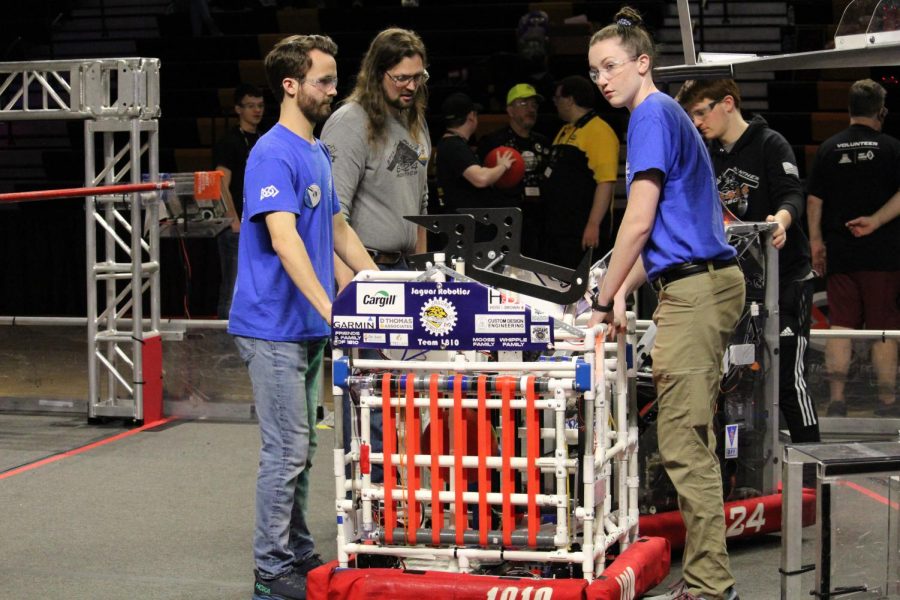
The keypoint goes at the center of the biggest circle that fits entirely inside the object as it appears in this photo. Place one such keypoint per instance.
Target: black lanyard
(555, 150)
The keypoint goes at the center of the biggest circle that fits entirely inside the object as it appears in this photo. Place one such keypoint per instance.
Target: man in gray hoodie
(380, 147)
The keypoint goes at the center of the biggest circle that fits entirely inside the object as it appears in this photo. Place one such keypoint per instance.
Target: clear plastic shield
(868, 22)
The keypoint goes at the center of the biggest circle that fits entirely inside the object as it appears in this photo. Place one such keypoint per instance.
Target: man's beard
(527, 123)
(399, 104)
(314, 110)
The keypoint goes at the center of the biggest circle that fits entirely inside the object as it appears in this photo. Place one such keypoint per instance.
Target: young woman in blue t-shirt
(673, 235)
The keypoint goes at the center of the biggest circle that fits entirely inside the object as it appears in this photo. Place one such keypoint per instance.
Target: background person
(522, 104)
(580, 177)
(853, 203)
(462, 180)
(230, 157)
(380, 146)
(758, 180)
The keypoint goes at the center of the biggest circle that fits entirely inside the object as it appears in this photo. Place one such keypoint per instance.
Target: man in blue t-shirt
(281, 312)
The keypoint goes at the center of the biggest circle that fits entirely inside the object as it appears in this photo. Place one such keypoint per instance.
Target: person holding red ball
(463, 182)
(522, 106)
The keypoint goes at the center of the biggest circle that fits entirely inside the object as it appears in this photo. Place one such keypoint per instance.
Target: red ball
(514, 175)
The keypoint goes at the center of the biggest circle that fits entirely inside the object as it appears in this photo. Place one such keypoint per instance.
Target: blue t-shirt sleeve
(335, 201)
(649, 151)
(268, 187)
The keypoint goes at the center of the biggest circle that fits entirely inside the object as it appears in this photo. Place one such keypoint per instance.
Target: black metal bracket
(800, 571)
(489, 238)
(841, 591)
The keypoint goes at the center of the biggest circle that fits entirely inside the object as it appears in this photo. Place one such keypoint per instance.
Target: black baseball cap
(458, 105)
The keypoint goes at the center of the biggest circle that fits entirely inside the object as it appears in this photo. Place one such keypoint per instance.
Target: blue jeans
(286, 393)
(228, 265)
(375, 417)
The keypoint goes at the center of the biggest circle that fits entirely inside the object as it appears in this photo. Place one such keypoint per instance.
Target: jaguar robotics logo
(438, 316)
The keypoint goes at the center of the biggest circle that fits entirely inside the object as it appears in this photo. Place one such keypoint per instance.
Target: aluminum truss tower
(118, 99)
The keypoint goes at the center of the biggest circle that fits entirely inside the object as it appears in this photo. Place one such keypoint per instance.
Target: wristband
(599, 307)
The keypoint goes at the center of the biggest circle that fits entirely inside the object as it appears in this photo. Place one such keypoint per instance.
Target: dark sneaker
(888, 410)
(313, 561)
(290, 586)
(731, 594)
(837, 408)
(679, 591)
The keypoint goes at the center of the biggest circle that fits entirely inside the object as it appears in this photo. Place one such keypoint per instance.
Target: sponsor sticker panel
(436, 316)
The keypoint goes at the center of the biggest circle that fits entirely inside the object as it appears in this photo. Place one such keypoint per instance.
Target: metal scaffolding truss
(124, 88)
(119, 100)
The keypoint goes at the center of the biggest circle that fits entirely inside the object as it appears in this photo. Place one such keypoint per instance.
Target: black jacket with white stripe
(758, 177)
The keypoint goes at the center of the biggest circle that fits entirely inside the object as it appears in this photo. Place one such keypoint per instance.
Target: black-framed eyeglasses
(703, 112)
(324, 84)
(609, 69)
(403, 80)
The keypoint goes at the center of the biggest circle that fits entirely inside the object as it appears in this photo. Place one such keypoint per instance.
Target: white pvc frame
(602, 522)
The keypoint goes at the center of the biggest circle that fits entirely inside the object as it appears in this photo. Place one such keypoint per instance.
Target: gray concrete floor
(163, 514)
(167, 514)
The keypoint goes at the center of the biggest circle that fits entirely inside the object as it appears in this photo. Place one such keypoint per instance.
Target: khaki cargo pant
(695, 318)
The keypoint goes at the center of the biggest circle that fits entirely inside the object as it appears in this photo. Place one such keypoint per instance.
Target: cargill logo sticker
(380, 299)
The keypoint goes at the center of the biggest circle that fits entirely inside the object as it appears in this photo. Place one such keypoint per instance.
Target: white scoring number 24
(737, 516)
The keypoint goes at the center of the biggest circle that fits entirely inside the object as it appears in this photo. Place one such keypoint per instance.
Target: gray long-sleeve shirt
(378, 184)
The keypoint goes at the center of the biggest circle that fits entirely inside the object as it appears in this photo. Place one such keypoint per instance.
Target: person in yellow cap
(522, 103)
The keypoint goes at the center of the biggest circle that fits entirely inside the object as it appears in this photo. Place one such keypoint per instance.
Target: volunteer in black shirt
(853, 204)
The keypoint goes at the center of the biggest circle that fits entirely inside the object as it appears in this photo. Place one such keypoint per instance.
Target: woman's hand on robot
(616, 318)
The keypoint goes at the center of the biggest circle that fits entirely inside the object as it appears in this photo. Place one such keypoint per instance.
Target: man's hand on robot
(779, 236)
